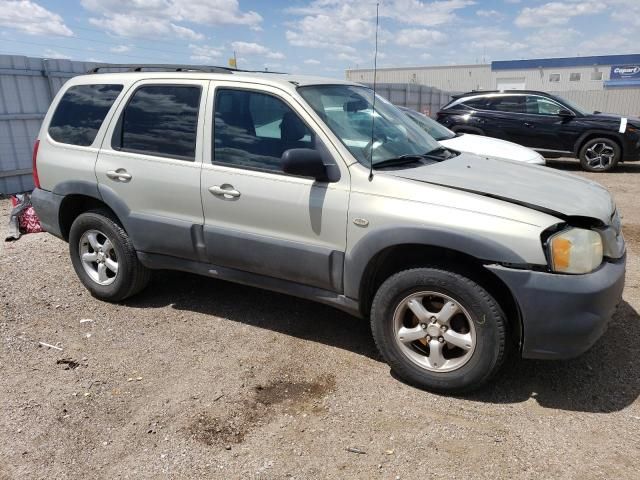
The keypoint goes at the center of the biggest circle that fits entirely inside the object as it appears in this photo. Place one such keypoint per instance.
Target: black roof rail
(480, 92)
(161, 67)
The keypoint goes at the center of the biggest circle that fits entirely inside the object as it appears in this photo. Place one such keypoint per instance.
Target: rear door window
(160, 120)
(81, 112)
(514, 104)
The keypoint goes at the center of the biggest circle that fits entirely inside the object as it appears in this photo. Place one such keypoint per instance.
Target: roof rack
(161, 67)
(480, 92)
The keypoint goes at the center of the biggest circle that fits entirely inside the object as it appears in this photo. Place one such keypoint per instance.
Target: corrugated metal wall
(463, 78)
(458, 78)
(27, 86)
(421, 98)
(623, 101)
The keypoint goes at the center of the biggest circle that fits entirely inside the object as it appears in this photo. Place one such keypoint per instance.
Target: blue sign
(625, 72)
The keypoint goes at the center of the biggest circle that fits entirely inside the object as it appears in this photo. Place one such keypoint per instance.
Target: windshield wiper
(401, 160)
(438, 152)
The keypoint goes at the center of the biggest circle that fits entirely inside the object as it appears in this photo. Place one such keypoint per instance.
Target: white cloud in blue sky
(317, 36)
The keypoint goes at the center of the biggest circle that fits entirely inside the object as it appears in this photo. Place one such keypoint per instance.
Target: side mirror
(566, 113)
(304, 162)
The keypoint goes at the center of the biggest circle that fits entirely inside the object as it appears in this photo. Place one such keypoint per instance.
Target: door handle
(226, 190)
(120, 174)
(527, 124)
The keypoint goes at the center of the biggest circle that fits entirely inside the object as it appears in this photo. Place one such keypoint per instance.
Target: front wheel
(104, 258)
(600, 155)
(438, 330)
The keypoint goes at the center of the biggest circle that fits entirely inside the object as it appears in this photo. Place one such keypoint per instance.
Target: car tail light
(36, 180)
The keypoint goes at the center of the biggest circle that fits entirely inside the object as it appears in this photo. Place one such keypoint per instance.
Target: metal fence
(27, 87)
(421, 98)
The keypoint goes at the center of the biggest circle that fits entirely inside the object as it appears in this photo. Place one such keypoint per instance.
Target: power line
(150, 39)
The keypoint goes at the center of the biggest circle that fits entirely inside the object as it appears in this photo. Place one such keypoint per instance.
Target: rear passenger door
(149, 164)
(504, 117)
(257, 218)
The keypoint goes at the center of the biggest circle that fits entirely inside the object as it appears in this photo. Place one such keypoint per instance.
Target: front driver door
(257, 218)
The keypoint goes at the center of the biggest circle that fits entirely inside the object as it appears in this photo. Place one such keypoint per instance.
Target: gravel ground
(197, 378)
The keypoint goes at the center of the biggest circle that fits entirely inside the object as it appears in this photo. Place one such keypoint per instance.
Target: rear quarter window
(80, 113)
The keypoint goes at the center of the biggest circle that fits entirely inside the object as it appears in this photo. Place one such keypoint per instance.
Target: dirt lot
(197, 378)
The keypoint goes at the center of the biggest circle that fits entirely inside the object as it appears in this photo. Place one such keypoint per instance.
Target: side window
(253, 130)
(81, 112)
(542, 106)
(476, 103)
(160, 120)
(514, 104)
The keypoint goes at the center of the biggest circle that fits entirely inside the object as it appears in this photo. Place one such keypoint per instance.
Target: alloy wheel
(600, 155)
(98, 256)
(434, 331)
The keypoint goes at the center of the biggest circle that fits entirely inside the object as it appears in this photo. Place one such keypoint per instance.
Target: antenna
(373, 105)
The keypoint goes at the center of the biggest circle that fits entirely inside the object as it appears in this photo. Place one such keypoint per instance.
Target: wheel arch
(371, 263)
(80, 197)
(591, 134)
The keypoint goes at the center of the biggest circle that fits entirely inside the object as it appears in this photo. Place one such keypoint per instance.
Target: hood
(550, 191)
(492, 147)
(614, 118)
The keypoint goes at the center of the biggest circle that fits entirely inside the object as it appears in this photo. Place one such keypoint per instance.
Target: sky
(320, 37)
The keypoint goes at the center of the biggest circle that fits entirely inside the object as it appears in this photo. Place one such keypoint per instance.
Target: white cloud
(246, 48)
(31, 18)
(626, 11)
(494, 14)
(120, 49)
(125, 25)
(48, 53)
(557, 13)
(312, 61)
(205, 53)
(419, 37)
(161, 17)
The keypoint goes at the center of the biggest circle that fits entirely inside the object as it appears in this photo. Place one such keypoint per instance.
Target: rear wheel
(104, 258)
(600, 155)
(438, 330)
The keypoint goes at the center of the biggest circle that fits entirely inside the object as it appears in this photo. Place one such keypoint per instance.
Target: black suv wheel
(600, 155)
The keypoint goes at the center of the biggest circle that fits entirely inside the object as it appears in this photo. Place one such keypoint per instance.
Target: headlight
(575, 250)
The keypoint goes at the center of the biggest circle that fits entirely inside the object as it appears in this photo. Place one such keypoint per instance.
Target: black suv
(549, 124)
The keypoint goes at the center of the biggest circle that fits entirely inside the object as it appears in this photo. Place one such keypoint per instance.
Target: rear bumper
(47, 206)
(563, 315)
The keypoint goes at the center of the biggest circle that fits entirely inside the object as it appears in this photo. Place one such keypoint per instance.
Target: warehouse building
(609, 83)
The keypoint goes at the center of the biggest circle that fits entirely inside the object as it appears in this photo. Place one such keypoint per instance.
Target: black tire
(485, 312)
(131, 278)
(589, 161)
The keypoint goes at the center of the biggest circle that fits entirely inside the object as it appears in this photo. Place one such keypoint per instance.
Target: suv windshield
(347, 111)
(433, 128)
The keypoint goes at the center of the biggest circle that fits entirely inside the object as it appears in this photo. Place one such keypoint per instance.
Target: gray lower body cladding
(47, 206)
(563, 315)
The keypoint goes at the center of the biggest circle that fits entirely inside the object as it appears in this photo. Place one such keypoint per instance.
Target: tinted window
(516, 104)
(81, 112)
(575, 77)
(161, 120)
(542, 106)
(253, 130)
(477, 103)
(554, 77)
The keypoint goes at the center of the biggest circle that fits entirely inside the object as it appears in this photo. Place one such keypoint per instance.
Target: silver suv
(300, 185)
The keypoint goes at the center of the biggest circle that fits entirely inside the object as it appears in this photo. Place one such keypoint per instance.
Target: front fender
(358, 257)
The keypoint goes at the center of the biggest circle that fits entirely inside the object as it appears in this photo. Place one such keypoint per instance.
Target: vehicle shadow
(605, 379)
(573, 165)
